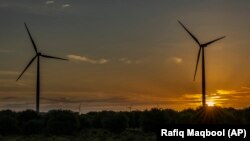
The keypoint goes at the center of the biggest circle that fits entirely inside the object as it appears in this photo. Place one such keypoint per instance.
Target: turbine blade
(26, 67)
(198, 58)
(197, 41)
(31, 39)
(208, 43)
(47, 56)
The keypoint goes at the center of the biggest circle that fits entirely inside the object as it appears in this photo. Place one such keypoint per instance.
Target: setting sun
(210, 103)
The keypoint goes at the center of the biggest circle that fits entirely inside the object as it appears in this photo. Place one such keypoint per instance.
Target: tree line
(66, 122)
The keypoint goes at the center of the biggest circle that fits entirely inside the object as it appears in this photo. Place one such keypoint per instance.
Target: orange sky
(122, 54)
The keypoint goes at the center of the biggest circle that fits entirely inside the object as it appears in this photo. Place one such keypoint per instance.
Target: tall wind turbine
(37, 55)
(201, 51)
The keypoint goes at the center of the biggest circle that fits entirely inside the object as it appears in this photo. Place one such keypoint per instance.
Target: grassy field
(90, 135)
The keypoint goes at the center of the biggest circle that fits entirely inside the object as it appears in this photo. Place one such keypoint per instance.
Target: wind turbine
(201, 51)
(37, 55)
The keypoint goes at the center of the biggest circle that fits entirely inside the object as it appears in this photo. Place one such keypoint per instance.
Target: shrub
(247, 115)
(25, 116)
(62, 122)
(84, 122)
(186, 116)
(8, 113)
(154, 119)
(34, 127)
(8, 125)
(94, 119)
(115, 122)
(134, 119)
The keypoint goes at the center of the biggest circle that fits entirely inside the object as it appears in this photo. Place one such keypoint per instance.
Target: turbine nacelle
(203, 45)
(209, 43)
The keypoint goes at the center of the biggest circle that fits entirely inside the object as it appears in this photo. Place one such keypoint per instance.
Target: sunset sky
(124, 53)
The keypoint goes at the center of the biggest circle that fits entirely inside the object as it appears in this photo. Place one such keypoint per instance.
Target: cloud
(222, 97)
(49, 2)
(191, 96)
(87, 60)
(88, 100)
(66, 5)
(177, 60)
(8, 72)
(228, 92)
(103, 61)
(10, 83)
(128, 61)
(8, 98)
(246, 87)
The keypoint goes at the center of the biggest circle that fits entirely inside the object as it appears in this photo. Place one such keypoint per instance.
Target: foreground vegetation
(64, 125)
(90, 135)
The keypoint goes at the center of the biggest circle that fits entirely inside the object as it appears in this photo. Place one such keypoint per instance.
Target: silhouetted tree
(62, 122)
(94, 119)
(84, 121)
(34, 127)
(186, 116)
(172, 116)
(247, 115)
(134, 119)
(115, 122)
(154, 119)
(8, 113)
(25, 116)
(8, 125)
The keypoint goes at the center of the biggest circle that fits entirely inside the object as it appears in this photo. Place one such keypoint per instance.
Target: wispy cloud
(49, 2)
(5, 72)
(88, 100)
(128, 61)
(87, 60)
(246, 87)
(10, 83)
(9, 72)
(8, 98)
(66, 5)
(228, 92)
(221, 97)
(177, 60)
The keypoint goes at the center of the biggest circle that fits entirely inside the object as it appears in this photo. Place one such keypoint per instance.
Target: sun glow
(210, 103)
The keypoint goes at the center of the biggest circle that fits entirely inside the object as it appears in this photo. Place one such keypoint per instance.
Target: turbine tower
(201, 51)
(37, 56)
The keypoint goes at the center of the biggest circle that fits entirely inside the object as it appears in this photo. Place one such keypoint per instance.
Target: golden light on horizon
(210, 103)
(226, 91)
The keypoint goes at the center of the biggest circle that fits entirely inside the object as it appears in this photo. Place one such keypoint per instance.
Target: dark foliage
(155, 118)
(246, 113)
(8, 125)
(8, 113)
(94, 119)
(63, 122)
(134, 119)
(115, 122)
(26, 116)
(33, 127)
(84, 122)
